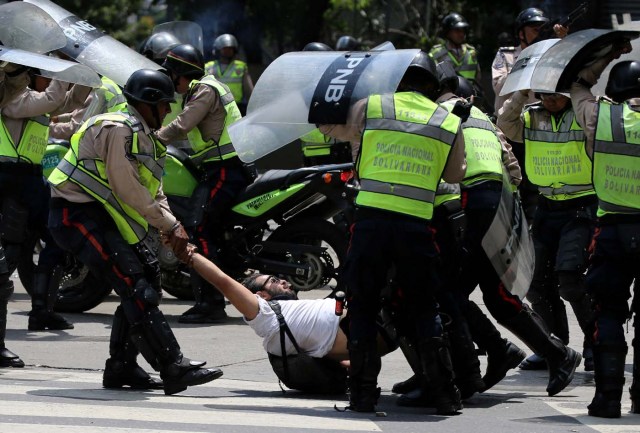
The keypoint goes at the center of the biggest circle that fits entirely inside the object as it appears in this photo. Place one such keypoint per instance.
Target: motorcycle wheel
(177, 284)
(79, 289)
(325, 267)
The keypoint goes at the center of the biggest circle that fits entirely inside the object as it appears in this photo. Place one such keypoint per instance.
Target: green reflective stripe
(473, 122)
(227, 98)
(558, 137)
(566, 189)
(617, 123)
(467, 67)
(438, 51)
(404, 191)
(388, 106)
(155, 167)
(104, 192)
(612, 148)
(429, 131)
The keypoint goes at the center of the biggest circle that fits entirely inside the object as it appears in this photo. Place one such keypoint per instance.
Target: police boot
(586, 319)
(157, 344)
(209, 306)
(609, 360)
(635, 385)
(410, 353)
(562, 361)
(502, 355)
(466, 364)
(438, 375)
(43, 298)
(554, 315)
(7, 357)
(122, 369)
(364, 367)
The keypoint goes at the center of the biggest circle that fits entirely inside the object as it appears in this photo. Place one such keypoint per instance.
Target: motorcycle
(278, 225)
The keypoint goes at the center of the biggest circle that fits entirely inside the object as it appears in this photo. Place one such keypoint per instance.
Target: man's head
(156, 46)
(421, 76)
(624, 81)
(554, 102)
(225, 47)
(528, 23)
(269, 287)
(454, 28)
(185, 64)
(150, 92)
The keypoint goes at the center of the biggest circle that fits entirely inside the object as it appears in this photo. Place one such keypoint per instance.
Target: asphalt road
(60, 388)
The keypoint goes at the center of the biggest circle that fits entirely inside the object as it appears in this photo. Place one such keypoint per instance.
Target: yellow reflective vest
(404, 149)
(556, 159)
(232, 76)
(90, 175)
(616, 153)
(315, 143)
(466, 67)
(32, 145)
(115, 100)
(209, 150)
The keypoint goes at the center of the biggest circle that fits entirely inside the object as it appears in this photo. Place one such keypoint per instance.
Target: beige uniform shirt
(508, 158)
(31, 103)
(454, 170)
(10, 87)
(109, 141)
(585, 104)
(203, 110)
(68, 123)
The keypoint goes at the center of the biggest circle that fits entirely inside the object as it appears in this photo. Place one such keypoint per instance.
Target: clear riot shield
(89, 46)
(559, 66)
(187, 32)
(301, 89)
(508, 243)
(519, 77)
(52, 67)
(27, 27)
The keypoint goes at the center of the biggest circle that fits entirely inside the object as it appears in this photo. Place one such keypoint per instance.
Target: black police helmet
(185, 60)
(465, 88)
(453, 21)
(421, 75)
(156, 46)
(317, 46)
(447, 77)
(149, 86)
(530, 16)
(347, 43)
(624, 81)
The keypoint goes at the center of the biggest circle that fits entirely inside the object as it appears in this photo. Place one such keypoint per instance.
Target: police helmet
(317, 46)
(453, 21)
(225, 40)
(447, 77)
(421, 75)
(530, 16)
(185, 60)
(156, 46)
(347, 43)
(465, 88)
(149, 86)
(624, 81)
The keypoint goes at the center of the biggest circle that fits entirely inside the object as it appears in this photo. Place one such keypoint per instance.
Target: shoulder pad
(603, 98)
(533, 106)
(507, 49)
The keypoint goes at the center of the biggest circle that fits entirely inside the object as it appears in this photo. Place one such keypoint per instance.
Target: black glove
(462, 109)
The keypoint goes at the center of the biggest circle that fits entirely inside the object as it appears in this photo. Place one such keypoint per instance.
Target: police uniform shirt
(10, 87)
(352, 131)
(510, 116)
(109, 142)
(509, 160)
(203, 110)
(68, 123)
(31, 103)
(500, 68)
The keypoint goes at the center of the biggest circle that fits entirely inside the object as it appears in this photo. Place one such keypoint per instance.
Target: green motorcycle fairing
(265, 202)
(54, 154)
(182, 181)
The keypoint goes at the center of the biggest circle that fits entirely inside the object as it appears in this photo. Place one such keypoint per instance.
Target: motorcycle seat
(272, 180)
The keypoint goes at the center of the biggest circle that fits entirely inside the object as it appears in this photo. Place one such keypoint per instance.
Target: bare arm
(239, 296)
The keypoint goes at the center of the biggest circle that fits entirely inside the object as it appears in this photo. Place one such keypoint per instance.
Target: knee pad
(571, 286)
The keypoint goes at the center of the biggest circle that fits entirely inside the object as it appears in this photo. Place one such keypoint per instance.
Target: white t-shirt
(312, 322)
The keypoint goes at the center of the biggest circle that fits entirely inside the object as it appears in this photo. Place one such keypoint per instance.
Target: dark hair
(251, 283)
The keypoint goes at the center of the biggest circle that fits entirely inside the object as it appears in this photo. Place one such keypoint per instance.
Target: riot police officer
(394, 208)
(610, 127)
(347, 43)
(564, 221)
(454, 50)
(209, 109)
(106, 193)
(229, 70)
